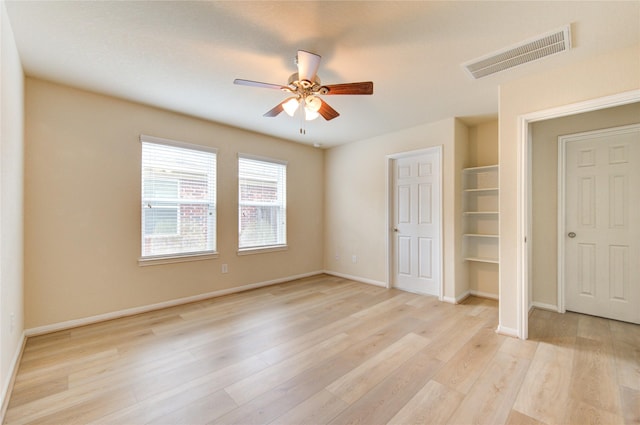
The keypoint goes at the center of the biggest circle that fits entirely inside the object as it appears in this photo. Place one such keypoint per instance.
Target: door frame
(524, 181)
(390, 160)
(562, 144)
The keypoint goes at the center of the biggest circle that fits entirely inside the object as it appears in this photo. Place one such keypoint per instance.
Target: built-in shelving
(481, 218)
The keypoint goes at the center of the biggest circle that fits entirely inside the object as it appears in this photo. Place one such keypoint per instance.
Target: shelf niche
(481, 218)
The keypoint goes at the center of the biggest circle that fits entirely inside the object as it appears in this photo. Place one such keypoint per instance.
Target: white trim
(481, 294)
(458, 299)
(165, 304)
(389, 219)
(561, 224)
(262, 250)
(7, 386)
(262, 158)
(176, 143)
(524, 156)
(356, 278)
(545, 306)
(503, 330)
(170, 259)
(481, 168)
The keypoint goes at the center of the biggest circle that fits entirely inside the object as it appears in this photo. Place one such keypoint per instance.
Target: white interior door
(602, 223)
(417, 218)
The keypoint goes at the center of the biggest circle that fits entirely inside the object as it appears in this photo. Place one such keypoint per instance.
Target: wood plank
(356, 383)
(318, 409)
(595, 328)
(492, 396)
(194, 373)
(81, 413)
(285, 397)
(630, 405)
(384, 400)
(462, 370)
(434, 403)
(38, 390)
(544, 392)
(200, 411)
(553, 328)
(593, 380)
(453, 335)
(578, 412)
(519, 348)
(269, 377)
(626, 345)
(517, 418)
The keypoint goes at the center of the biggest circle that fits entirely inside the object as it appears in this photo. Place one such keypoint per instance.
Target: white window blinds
(178, 198)
(262, 203)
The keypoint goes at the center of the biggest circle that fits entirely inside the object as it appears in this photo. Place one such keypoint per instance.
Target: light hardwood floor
(325, 350)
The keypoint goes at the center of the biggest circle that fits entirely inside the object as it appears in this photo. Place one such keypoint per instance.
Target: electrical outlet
(337, 257)
(354, 258)
(225, 268)
(12, 322)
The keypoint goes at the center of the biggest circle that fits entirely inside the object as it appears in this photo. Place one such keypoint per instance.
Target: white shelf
(484, 189)
(480, 212)
(483, 260)
(483, 168)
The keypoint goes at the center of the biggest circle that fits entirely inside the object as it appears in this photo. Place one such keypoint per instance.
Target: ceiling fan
(305, 86)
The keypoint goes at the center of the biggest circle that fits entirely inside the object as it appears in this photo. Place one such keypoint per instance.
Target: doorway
(525, 216)
(415, 225)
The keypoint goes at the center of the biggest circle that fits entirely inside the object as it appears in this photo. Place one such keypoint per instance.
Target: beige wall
(483, 144)
(11, 201)
(544, 189)
(604, 75)
(82, 199)
(356, 208)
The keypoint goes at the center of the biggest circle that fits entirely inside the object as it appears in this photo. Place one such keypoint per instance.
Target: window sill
(262, 250)
(169, 259)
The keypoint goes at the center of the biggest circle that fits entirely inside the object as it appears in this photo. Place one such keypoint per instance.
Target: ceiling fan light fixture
(291, 106)
(310, 115)
(313, 103)
(306, 87)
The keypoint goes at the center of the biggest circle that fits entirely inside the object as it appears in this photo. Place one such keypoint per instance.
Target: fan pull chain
(303, 129)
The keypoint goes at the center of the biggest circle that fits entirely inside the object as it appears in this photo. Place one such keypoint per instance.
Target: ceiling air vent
(527, 51)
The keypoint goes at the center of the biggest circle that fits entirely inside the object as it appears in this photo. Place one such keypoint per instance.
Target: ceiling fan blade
(327, 112)
(275, 110)
(258, 84)
(308, 64)
(365, 87)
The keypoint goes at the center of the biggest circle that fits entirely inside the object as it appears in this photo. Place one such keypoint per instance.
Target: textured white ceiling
(184, 56)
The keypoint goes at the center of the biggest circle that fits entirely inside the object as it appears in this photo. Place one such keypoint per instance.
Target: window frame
(256, 249)
(181, 256)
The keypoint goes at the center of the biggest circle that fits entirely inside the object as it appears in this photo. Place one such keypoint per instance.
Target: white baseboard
(483, 294)
(458, 299)
(503, 330)
(544, 306)
(7, 386)
(151, 307)
(356, 278)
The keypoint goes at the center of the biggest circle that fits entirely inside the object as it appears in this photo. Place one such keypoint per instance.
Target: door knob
(395, 229)
(571, 235)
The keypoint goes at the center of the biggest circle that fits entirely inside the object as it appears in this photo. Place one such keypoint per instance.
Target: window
(178, 199)
(262, 208)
